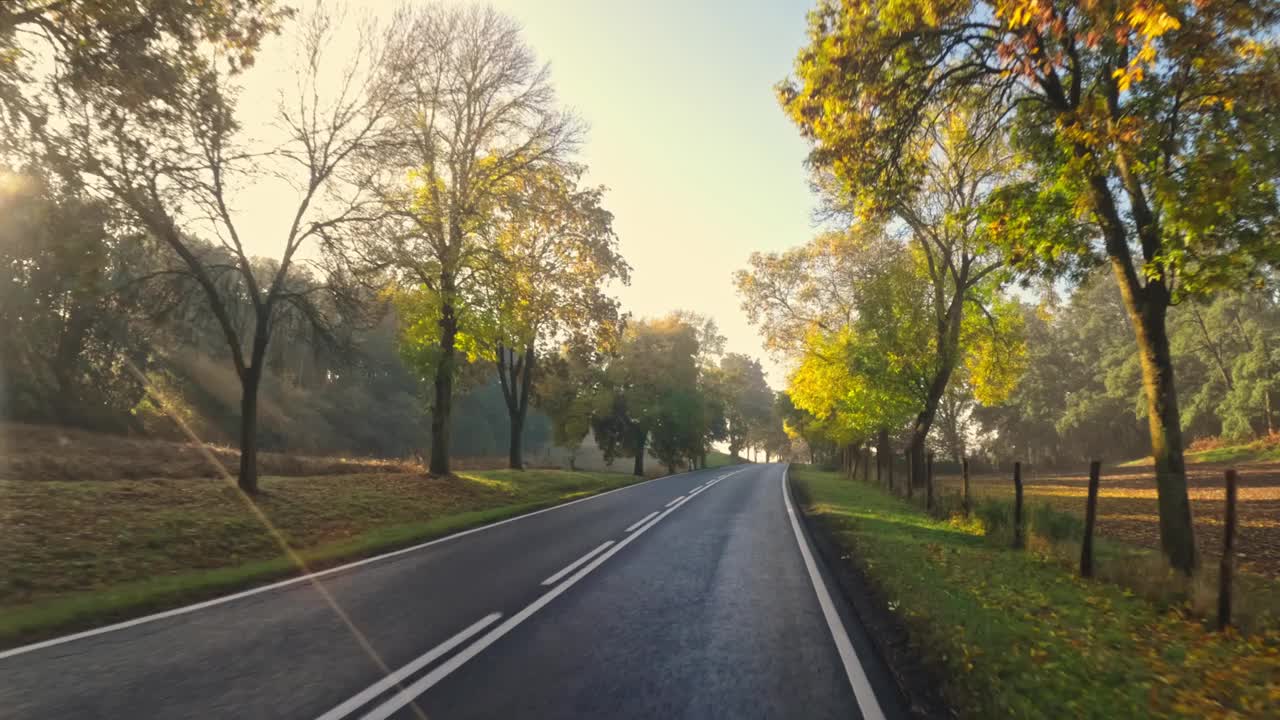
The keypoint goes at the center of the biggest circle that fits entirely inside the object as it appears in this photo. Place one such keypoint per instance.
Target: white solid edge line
(414, 666)
(574, 565)
(301, 578)
(673, 502)
(425, 683)
(862, 692)
(641, 521)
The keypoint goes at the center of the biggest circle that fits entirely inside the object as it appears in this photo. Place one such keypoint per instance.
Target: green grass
(1015, 634)
(716, 459)
(79, 555)
(1258, 451)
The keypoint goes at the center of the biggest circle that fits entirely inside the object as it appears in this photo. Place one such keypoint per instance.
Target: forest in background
(1080, 394)
(102, 335)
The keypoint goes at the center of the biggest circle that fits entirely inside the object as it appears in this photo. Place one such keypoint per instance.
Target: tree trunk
(515, 457)
(923, 422)
(70, 347)
(1177, 534)
(514, 379)
(1268, 411)
(882, 452)
(1147, 307)
(248, 480)
(442, 410)
(638, 470)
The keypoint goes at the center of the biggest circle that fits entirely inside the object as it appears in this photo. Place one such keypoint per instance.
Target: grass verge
(1262, 450)
(1015, 634)
(716, 459)
(80, 555)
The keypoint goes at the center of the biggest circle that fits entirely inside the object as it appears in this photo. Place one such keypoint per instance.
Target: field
(1127, 505)
(98, 528)
(1016, 634)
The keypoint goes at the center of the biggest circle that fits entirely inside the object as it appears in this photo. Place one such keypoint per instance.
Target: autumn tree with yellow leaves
(1149, 135)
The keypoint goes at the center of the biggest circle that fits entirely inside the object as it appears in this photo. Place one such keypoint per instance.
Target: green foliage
(80, 44)
(1156, 122)
(566, 391)
(748, 401)
(1080, 397)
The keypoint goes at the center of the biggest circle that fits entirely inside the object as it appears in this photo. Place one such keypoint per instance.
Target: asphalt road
(689, 596)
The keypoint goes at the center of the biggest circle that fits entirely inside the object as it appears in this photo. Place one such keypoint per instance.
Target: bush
(996, 517)
(947, 505)
(1041, 522)
(1054, 525)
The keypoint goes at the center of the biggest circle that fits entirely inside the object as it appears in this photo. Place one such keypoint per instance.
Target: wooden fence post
(1228, 554)
(928, 479)
(1018, 539)
(964, 473)
(1090, 516)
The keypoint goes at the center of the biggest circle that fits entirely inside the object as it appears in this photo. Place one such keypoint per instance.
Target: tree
(1154, 119)
(748, 400)
(565, 390)
(476, 119)
(799, 425)
(650, 386)
(174, 165)
(66, 325)
(545, 285)
(1227, 348)
(128, 54)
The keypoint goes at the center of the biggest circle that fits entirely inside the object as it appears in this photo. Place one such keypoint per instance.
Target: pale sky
(701, 164)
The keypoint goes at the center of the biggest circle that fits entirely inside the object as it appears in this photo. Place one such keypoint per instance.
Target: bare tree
(476, 115)
(176, 165)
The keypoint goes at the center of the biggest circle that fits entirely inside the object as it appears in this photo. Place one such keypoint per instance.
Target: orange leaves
(1149, 22)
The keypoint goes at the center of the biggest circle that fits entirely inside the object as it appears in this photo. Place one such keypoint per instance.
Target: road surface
(690, 596)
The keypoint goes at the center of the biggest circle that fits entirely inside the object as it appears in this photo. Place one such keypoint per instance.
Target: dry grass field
(99, 527)
(1127, 504)
(39, 452)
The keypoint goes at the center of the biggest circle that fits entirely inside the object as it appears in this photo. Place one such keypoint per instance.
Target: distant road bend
(691, 596)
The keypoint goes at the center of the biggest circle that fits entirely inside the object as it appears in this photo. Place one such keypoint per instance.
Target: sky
(703, 166)
(701, 163)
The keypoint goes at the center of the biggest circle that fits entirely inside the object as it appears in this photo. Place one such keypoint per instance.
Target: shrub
(1054, 525)
(996, 517)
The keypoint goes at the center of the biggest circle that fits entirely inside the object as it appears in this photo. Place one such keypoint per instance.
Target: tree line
(971, 156)
(430, 230)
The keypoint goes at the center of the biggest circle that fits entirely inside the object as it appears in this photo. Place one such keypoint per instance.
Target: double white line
(575, 571)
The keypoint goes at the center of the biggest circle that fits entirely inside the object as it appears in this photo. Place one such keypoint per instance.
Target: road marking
(862, 692)
(574, 565)
(673, 502)
(394, 678)
(642, 521)
(409, 694)
(301, 578)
